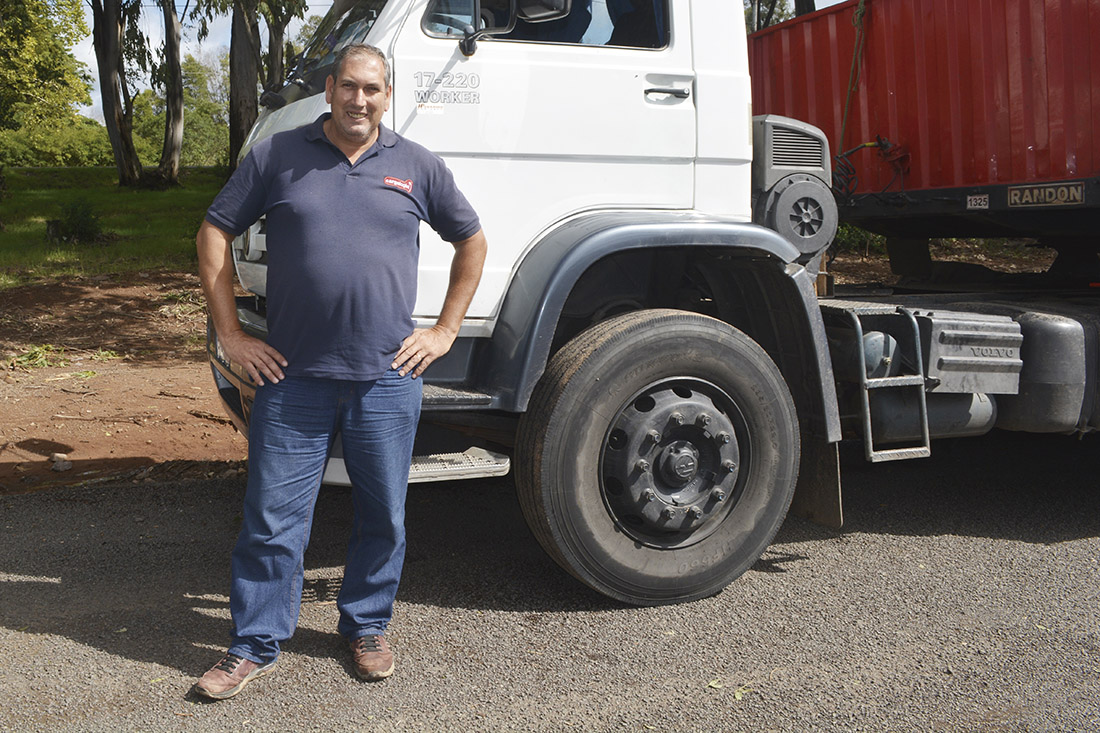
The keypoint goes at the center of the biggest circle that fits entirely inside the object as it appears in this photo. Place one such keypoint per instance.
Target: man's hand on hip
(421, 348)
(258, 359)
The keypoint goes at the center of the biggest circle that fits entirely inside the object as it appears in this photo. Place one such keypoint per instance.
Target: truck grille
(796, 149)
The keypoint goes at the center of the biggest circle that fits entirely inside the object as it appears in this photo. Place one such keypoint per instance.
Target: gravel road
(962, 595)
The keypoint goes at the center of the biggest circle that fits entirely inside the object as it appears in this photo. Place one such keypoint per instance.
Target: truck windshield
(349, 21)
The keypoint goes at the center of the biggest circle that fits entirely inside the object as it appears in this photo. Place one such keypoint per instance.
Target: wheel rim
(672, 462)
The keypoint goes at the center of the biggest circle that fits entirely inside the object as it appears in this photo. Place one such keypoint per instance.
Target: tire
(658, 456)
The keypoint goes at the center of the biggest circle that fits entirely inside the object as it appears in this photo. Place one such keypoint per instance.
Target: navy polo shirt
(342, 243)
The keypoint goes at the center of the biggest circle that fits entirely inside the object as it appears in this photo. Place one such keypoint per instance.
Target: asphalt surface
(962, 595)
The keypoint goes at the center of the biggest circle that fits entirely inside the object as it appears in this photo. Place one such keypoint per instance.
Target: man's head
(362, 49)
(358, 92)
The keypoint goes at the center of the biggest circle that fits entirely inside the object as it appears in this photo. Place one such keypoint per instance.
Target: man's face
(358, 98)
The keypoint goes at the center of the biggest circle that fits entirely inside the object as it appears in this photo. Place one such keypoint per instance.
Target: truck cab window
(629, 23)
(348, 21)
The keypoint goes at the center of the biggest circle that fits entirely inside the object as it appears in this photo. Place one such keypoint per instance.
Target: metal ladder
(905, 381)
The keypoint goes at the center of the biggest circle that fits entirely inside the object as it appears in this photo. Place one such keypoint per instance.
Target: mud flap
(817, 493)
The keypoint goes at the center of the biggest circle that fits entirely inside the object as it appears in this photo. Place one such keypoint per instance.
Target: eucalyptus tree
(114, 36)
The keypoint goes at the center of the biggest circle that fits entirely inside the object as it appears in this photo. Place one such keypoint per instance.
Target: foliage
(78, 141)
(850, 238)
(40, 80)
(148, 124)
(305, 33)
(79, 224)
(246, 53)
(768, 12)
(205, 129)
(206, 120)
(37, 357)
(150, 229)
(277, 15)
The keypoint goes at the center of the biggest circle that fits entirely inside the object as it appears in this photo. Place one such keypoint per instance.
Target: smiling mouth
(357, 115)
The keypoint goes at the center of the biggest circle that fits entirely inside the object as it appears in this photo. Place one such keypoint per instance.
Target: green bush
(74, 142)
(78, 224)
(850, 238)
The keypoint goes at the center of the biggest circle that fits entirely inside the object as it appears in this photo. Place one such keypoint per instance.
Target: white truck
(647, 351)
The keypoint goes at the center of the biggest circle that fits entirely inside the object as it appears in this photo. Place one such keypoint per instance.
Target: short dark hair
(361, 49)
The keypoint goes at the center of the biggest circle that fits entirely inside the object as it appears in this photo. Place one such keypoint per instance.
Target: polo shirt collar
(315, 132)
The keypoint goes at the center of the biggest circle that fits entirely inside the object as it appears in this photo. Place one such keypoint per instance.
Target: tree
(147, 126)
(306, 33)
(244, 57)
(40, 80)
(802, 7)
(170, 75)
(244, 75)
(206, 137)
(41, 83)
(763, 13)
(277, 15)
(114, 22)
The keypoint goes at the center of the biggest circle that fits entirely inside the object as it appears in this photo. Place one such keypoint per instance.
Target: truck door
(591, 112)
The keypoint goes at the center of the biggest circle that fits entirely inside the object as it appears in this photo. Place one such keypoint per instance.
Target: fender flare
(520, 346)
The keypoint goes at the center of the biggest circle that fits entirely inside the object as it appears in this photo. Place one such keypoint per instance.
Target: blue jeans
(291, 431)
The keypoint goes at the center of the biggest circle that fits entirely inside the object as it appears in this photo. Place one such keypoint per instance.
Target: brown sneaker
(372, 656)
(229, 676)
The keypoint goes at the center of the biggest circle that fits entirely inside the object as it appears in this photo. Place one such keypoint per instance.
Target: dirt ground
(123, 391)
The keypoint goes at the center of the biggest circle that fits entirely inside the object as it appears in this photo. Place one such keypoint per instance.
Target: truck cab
(645, 351)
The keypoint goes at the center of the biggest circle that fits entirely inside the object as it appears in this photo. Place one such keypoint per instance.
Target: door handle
(672, 91)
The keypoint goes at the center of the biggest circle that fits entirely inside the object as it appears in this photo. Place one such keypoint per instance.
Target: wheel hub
(679, 463)
(671, 461)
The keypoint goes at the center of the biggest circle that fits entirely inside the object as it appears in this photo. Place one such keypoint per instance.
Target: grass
(143, 229)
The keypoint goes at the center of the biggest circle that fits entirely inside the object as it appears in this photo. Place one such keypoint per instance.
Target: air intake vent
(796, 149)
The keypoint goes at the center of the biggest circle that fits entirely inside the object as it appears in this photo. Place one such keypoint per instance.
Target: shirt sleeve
(242, 201)
(449, 213)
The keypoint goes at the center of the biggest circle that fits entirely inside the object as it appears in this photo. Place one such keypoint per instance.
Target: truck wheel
(658, 456)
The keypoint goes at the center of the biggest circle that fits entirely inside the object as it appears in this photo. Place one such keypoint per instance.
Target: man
(343, 198)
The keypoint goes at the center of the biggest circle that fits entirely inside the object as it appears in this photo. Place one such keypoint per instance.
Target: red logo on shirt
(406, 186)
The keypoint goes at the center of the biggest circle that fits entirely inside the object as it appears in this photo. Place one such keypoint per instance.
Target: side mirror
(494, 18)
(498, 18)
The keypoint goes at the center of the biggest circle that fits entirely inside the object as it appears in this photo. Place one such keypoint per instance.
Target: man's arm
(216, 274)
(425, 345)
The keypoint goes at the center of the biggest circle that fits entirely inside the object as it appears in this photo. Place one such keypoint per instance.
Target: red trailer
(964, 117)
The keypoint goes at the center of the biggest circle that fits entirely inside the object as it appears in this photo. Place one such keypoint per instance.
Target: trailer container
(976, 117)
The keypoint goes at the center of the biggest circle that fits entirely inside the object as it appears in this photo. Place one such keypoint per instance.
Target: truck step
(906, 380)
(472, 463)
(899, 454)
(439, 397)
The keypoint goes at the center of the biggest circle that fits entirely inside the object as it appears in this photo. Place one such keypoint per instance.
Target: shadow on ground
(141, 570)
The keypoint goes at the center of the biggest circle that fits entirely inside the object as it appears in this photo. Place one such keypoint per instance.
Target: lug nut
(729, 465)
(648, 495)
(676, 418)
(703, 420)
(668, 512)
(654, 436)
(724, 437)
(642, 465)
(695, 512)
(718, 495)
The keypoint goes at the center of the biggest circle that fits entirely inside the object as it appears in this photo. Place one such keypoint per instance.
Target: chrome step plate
(471, 463)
